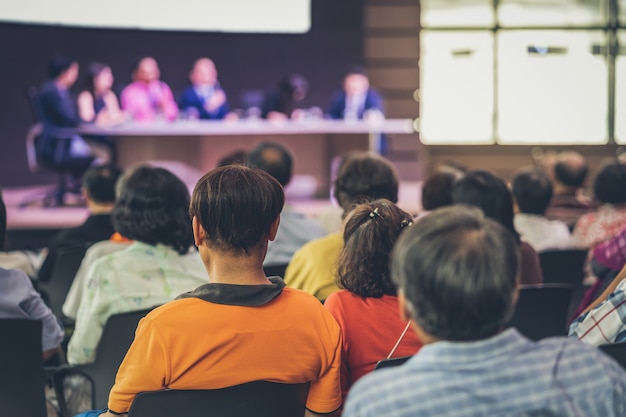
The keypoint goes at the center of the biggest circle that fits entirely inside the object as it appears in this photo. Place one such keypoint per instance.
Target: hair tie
(375, 213)
(405, 223)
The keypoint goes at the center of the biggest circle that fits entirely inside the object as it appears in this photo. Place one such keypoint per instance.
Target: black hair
(609, 185)
(272, 158)
(236, 206)
(532, 190)
(365, 176)
(458, 272)
(370, 232)
(437, 190)
(93, 70)
(569, 174)
(3, 223)
(58, 65)
(489, 193)
(152, 208)
(99, 182)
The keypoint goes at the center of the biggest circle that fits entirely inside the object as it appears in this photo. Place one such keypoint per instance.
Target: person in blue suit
(357, 100)
(204, 99)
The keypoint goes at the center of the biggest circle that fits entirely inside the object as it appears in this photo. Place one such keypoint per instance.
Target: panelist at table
(357, 100)
(148, 98)
(204, 98)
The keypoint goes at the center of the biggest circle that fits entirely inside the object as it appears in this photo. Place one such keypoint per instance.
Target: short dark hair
(532, 190)
(437, 190)
(152, 208)
(370, 232)
(365, 176)
(99, 182)
(609, 185)
(236, 206)
(571, 175)
(237, 157)
(458, 271)
(59, 64)
(356, 70)
(489, 193)
(274, 159)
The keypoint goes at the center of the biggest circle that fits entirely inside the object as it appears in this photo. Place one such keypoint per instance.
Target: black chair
(541, 310)
(391, 362)
(50, 149)
(275, 270)
(563, 266)
(117, 336)
(258, 399)
(66, 265)
(22, 378)
(617, 351)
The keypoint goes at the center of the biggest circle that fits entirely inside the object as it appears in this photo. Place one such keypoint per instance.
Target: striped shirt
(505, 375)
(606, 323)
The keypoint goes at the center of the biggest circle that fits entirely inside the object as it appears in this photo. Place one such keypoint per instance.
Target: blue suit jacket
(190, 99)
(338, 104)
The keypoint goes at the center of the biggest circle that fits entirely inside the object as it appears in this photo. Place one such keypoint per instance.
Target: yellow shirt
(313, 268)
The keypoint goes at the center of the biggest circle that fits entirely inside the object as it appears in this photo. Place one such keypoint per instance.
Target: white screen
(248, 16)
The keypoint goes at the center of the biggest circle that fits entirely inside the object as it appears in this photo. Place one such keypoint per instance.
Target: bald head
(570, 169)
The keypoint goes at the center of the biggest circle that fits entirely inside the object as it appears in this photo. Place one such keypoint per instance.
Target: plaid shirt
(505, 375)
(604, 324)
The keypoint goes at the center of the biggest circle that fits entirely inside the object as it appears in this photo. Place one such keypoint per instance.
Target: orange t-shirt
(196, 344)
(371, 327)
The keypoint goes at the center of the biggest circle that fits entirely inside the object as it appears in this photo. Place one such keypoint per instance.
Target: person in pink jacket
(148, 98)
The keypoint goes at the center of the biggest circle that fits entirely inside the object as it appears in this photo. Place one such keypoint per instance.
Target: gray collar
(238, 295)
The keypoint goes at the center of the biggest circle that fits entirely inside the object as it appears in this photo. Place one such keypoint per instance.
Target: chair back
(32, 137)
(21, 369)
(617, 351)
(258, 399)
(391, 362)
(563, 266)
(117, 336)
(541, 310)
(275, 270)
(65, 267)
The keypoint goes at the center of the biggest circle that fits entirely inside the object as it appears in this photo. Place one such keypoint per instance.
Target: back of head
(369, 234)
(236, 206)
(437, 190)
(458, 272)
(489, 193)
(59, 64)
(274, 159)
(570, 169)
(609, 186)
(532, 190)
(99, 183)
(365, 176)
(152, 208)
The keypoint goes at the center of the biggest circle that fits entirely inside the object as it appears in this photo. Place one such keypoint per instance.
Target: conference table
(315, 143)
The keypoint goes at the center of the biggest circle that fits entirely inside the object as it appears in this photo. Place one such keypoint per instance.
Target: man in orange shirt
(242, 326)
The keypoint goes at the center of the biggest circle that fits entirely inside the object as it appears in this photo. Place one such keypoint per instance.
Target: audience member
(236, 157)
(609, 190)
(437, 191)
(533, 191)
(19, 300)
(486, 191)
(158, 266)
(211, 338)
(362, 176)
(604, 321)
(357, 100)
(367, 309)
(611, 253)
(457, 274)
(148, 98)
(58, 111)
(204, 99)
(13, 259)
(99, 192)
(295, 228)
(568, 202)
(97, 103)
(280, 104)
